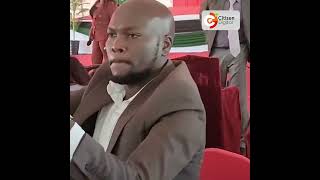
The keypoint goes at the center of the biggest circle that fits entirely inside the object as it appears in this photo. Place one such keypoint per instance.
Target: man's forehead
(129, 24)
(125, 17)
(123, 27)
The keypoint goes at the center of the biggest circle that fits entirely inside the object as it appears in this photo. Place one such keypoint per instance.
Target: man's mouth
(120, 61)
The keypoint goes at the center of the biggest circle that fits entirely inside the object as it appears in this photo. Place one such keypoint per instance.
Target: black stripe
(188, 26)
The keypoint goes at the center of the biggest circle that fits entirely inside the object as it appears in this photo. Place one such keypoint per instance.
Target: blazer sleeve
(75, 99)
(169, 147)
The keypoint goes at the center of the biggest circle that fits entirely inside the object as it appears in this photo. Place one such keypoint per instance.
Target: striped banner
(189, 37)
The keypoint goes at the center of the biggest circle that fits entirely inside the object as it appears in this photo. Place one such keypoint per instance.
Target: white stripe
(186, 17)
(86, 20)
(76, 134)
(191, 49)
(79, 36)
(201, 48)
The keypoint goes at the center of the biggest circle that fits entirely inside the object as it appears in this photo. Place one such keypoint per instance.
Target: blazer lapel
(125, 117)
(138, 101)
(93, 102)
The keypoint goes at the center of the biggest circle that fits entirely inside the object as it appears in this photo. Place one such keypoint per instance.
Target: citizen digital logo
(220, 20)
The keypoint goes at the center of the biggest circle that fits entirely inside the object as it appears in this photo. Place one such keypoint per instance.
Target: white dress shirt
(107, 120)
(75, 87)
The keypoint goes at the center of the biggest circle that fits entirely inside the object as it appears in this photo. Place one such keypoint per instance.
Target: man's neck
(131, 90)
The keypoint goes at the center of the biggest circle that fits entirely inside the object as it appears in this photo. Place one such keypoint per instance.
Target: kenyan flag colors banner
(189, 36)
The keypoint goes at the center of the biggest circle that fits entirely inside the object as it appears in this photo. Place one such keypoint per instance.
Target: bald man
(141, 116)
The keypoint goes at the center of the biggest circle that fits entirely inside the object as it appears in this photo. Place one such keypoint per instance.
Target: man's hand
(89, 43)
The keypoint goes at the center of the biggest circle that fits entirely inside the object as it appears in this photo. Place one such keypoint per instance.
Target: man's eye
(133, 36)
(112, 34)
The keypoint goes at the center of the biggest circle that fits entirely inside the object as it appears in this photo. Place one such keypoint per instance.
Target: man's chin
(119, 79)
(131, 78)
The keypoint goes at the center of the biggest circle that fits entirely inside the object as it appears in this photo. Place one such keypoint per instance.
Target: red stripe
(174, 10)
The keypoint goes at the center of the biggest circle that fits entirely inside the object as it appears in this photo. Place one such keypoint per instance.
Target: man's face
(132, 48)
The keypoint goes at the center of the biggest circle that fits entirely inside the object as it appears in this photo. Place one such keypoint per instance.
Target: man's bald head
(152, 11)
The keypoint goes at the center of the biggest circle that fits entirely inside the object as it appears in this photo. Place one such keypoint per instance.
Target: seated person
(79, 76)
(141, 117)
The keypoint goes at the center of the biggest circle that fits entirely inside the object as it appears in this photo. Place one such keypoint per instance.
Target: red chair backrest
(205, 72)
(224, 165)
(231, 115)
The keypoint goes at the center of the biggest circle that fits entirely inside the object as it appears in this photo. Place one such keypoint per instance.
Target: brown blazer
(219, 5)
(160, 135)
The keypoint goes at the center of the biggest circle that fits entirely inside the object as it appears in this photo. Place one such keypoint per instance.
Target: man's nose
(119, 45)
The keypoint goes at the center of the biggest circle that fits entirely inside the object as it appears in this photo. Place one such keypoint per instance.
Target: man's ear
(167, 44)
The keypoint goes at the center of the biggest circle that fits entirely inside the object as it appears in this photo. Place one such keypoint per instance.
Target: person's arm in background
(112, 6)
(93, 8)
(91, 33)
(91, 11)
(203, 7)
(246, 19)
(245, 7)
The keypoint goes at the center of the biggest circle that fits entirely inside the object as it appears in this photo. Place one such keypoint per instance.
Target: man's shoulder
(181, 77)
(178, 88)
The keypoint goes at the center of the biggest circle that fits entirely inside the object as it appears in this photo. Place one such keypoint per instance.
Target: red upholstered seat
(224, 165)
(222, 106)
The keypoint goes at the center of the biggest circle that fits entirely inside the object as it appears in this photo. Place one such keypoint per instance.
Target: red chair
(205, 72)
(223, 128)
(224, 165)
(231, 114)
